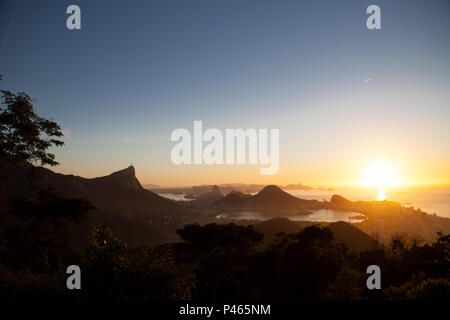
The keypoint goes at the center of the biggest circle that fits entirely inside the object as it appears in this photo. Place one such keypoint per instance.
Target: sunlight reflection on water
(381, 194)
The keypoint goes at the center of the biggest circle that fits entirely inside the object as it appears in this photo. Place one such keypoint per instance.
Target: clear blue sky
(140, 69)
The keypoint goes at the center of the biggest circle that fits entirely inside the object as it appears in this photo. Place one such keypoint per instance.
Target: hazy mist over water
(431, 200)
(321, 215)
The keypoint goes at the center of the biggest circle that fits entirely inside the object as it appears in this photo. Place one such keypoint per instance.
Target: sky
(342, 96)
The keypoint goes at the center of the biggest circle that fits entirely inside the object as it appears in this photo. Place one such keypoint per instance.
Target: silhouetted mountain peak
(125, 177)
(119, 192)
(338, 200)
(274, 197)
(274, 193)
(271, 189)
(340, 224)
(127, 172)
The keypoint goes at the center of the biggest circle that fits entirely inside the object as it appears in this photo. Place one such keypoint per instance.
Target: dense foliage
(306, 265)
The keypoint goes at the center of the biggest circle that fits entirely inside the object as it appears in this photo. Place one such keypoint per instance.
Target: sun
(380, 174)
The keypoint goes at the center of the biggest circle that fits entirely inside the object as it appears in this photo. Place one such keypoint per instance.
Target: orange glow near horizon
(364, 169)
(380, 174)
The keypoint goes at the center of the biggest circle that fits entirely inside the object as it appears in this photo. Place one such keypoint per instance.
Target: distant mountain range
(118, 192)
(271, 199)
(122, 194)
(141, 215)
(135, 213)
(194, 191)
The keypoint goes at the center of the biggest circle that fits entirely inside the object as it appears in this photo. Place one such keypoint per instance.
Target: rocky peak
(125, 177)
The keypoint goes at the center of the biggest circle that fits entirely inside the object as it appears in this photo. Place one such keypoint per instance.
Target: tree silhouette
(25, 136)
